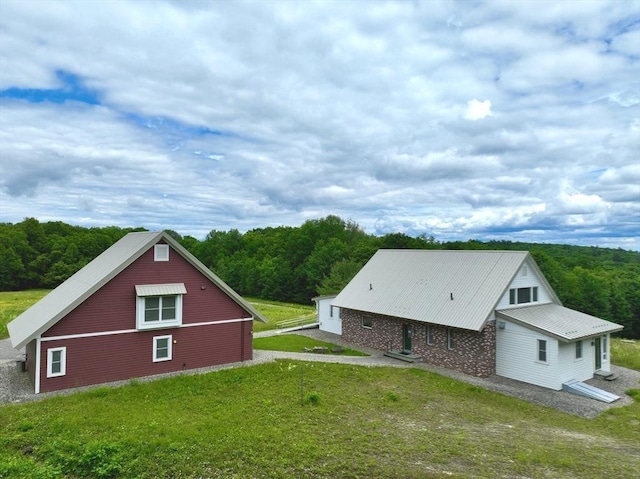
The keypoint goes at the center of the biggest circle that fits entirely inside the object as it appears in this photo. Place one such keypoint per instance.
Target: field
(13, 303)
(294, 419)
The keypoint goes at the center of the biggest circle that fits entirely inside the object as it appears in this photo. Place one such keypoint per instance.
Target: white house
(481, 312)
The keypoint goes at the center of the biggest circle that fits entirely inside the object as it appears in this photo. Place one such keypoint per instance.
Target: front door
(598, 354)
(406, 337)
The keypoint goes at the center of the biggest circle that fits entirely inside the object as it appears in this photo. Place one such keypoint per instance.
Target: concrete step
(403, 356)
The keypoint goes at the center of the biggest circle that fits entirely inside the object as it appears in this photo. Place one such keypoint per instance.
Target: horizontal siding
(113, 307)
(97, 360)
(572, 368)
(517, 353)
(523, 281)
(328, 316)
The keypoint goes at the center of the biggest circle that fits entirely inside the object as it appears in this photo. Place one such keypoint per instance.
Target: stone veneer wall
(473, 353)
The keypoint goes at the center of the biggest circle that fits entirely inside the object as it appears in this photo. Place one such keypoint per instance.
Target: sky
(459, 120)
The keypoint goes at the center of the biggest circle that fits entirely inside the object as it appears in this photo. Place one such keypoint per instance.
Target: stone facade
(472, 352)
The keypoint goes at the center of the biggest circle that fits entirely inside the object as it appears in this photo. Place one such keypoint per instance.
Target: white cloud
(241, 115)
(477, 110)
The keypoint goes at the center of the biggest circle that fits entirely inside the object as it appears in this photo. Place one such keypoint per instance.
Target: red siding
(113, 307)
(113, 357)
(102, 359)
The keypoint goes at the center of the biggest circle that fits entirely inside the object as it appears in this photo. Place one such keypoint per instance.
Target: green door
(406, 337)
(598, 354)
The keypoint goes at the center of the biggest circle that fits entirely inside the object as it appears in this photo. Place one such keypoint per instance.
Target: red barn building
(145, 306)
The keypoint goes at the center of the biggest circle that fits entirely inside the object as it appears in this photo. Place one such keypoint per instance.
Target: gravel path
(15, 386)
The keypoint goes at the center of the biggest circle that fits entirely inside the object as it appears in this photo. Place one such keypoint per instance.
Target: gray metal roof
(160, 289)
(66, 297)
(557, 321)
(420, 285)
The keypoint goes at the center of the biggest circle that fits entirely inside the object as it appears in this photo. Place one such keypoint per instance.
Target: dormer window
(523, 295)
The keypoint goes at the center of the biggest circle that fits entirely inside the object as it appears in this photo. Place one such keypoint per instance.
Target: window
(161, 348)
(56, 362)
(450, 340)
(367, 322)
(523, 295)
(160, 305)
(542, 350)
(604, 348)
(579, 350)
(161, 252)
(429, 334)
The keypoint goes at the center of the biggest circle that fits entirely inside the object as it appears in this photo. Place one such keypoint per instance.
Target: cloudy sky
(457, 119)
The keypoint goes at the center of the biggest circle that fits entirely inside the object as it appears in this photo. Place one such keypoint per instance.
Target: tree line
(319, 257)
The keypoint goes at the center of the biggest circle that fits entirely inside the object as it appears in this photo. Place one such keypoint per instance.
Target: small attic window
(161, 252)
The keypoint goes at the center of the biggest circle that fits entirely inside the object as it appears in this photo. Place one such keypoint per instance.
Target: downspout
(242, 340)
(36, 378)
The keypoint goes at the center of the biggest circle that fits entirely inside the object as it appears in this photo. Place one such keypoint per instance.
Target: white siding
(517, 356)
(328, 316)
(572, 368)
(523, 280)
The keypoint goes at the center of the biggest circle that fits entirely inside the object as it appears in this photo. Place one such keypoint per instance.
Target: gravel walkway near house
(15, 386)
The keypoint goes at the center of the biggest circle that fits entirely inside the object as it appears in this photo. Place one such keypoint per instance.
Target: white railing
(295, 322)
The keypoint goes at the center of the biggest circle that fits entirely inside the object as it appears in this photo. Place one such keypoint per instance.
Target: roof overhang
(559, 322)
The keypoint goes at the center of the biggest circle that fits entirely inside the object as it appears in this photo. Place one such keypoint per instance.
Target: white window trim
(369, 318)
(579, 348)
(546, 351)
(429, 334)
(169, 357)
(167, 323)
(63, 362)
(161, 252)
(451, 340)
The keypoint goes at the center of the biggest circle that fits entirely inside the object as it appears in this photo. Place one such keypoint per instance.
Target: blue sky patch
(73, 89)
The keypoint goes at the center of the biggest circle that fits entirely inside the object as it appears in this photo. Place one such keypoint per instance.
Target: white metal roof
(559, 322)
(66, 297)
(452, 288)
(160, 289)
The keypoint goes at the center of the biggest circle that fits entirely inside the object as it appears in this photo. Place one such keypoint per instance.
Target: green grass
(276, 311)
(14, 303)
(296, 343)
(625, 353)
(345, 422)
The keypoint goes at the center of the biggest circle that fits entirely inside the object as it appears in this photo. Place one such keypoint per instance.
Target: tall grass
(625, 353)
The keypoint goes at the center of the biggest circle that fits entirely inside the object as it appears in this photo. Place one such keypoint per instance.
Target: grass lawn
(625, 353)
(13, 303)
(296, 343)
(345, 422)
(276, 311)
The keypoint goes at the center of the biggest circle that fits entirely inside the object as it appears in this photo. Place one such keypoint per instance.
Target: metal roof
(66, 297)
(452, 288)
(557, 321)
(160, 289)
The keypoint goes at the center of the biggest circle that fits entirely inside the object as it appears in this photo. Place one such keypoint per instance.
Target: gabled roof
(559, 322)
(75, 290)
(452, 288)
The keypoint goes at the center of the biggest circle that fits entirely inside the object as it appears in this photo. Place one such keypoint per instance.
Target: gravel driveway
(15, 386)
